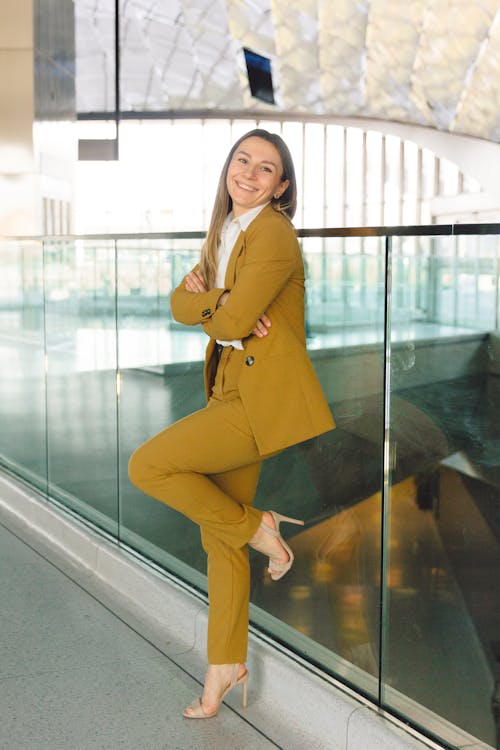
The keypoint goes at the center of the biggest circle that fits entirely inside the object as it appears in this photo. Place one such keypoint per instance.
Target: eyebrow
(264, 161)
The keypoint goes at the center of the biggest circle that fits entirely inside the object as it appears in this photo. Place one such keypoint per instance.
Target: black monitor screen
(259, 76)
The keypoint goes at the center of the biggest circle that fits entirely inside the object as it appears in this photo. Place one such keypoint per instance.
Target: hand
(195, 282)
(261, 327)
(222, 299)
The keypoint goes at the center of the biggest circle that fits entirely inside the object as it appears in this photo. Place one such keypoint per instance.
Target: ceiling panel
(342, 54)
(428, 62)
(392, 41)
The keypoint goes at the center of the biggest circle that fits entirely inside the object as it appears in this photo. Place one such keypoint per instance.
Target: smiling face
(254, 175)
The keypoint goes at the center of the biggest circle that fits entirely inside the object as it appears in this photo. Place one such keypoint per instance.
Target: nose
(249, 171)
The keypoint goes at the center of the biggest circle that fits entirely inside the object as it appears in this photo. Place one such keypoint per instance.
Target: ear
(283, 186)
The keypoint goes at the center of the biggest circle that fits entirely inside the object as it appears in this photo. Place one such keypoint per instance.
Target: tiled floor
(75, 677)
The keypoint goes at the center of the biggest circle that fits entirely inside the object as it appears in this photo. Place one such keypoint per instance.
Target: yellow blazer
(277, 384)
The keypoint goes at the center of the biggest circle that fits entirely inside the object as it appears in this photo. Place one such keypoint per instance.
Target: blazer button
(249, 361)
(206, 312)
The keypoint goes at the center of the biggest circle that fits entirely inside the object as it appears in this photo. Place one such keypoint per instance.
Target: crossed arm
(271, 255)
(195, 283)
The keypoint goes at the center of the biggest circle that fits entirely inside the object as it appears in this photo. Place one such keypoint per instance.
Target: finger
(199, 281)
(263, 324)
(193, 283)
(260, 329)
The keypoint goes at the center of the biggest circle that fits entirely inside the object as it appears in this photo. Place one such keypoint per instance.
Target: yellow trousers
(207, 467)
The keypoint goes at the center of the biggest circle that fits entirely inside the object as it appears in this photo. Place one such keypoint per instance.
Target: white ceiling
(428, 62)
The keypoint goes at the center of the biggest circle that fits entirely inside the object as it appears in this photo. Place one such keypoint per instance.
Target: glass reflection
(161, 373)
(441, 649)
(22, 375)
(444, 550)
(329, 604)
(80, 325)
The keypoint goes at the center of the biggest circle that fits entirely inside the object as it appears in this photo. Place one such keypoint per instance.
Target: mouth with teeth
(242, 186)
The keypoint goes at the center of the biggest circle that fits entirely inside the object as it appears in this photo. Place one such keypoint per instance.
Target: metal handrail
(416, 230)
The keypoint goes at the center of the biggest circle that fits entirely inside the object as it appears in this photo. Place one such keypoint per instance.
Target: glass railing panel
(80, 315)
(477, 272)
(23, 445)
(96, 314)
(464, 281)
(327, 608)
(410, 282)
(147, 272)
(440, 658)
(344, 288)
(161, 379)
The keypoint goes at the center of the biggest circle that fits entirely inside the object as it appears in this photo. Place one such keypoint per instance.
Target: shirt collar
(246, 219)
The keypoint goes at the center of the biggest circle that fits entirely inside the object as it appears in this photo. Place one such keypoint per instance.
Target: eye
(266, 169)
(242, 160)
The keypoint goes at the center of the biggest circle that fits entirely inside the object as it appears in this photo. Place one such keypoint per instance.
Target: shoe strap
(269, 530)
(234, 676)
(277, 565)
(198, 710)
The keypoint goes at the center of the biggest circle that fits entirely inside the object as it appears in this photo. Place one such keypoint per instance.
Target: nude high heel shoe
(276, 569)
(197, 710)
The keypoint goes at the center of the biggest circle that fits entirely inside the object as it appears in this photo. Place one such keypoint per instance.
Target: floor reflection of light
(299, 593)
(322, 571)
(438, 574)
(407, 592)
(394, 578)
(332, 593)
(351, 598)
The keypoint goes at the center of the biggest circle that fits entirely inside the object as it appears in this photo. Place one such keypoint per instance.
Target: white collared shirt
(230, 233)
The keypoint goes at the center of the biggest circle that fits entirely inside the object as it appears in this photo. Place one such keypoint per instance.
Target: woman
(248, 295)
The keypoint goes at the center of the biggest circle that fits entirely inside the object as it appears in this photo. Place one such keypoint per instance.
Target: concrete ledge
(289, 703)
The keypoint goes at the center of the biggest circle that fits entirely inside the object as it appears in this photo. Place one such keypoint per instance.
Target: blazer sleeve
(271, 257)
(192, 308)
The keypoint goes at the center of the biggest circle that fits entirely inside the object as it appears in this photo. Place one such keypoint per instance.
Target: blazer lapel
(231, 266)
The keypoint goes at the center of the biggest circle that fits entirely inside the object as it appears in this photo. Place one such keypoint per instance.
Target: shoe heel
(244, 699)
(278, 518)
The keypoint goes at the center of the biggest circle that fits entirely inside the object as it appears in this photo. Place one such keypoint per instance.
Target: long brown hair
(286, 203)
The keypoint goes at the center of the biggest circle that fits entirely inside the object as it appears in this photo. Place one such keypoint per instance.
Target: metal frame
(416, 230)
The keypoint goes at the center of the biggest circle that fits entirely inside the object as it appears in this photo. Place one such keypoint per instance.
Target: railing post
(386, 469)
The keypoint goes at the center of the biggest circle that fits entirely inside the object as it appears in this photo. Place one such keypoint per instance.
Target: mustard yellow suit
(260, 400)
